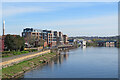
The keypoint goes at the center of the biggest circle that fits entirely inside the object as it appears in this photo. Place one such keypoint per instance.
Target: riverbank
(17, 70)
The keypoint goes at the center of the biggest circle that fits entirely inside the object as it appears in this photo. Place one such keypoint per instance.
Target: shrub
(31, 50)
(24, 52)
(5, 52)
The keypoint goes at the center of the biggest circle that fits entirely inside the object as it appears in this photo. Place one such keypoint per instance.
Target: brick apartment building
(51, 37)
(65, 37)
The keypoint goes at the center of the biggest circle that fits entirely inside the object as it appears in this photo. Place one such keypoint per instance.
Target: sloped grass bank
(20, 68)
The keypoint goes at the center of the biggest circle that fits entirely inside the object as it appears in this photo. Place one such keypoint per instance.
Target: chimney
(3, 28)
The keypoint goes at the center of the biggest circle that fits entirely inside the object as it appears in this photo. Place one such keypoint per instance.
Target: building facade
(52, 38)
(65, 39)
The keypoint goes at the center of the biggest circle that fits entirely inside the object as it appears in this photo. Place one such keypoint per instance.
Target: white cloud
(102, 20)
(103, 26)
(17, 10)
(96, 26)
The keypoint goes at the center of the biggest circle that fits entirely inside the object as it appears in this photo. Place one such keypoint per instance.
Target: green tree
(31, 40)
(9, 42)
(14, 42)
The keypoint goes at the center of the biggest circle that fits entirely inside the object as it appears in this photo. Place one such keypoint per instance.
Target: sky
(72, 18)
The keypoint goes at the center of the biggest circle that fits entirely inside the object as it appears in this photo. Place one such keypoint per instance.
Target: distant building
(107, 43)
(111, 43)
(100, 43)
(71, 41)
(83, 43)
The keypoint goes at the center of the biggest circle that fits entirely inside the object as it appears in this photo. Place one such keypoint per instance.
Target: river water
(90, 62)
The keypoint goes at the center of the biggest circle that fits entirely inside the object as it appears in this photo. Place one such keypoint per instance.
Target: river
(90, 62)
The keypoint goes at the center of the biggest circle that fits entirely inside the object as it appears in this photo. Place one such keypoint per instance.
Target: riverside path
(19, 58)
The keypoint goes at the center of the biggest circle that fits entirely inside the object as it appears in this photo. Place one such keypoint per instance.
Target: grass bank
(20, 68)
(12, 53)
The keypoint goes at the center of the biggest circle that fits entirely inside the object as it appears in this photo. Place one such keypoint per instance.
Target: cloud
(96, 26)
(19, 10)
(100, 20)
(101, 25)
(16, 8)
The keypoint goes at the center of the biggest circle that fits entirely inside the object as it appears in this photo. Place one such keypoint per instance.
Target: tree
(14, 42)
(9, 42)
(31, 40)
(40, 43)
(19, 42)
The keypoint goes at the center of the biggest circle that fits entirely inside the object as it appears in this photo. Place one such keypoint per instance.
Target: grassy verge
(22, 67)
(12, 53)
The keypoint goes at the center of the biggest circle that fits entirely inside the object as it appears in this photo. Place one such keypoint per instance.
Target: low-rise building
(1, 44)
(107, 43)
(111, 43)
(71, 41)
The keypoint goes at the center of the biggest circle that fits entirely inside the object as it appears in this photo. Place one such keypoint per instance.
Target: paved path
(19, 58)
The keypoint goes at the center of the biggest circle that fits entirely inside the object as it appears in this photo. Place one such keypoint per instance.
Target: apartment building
(38, 35)
(48, 36)
(52, 38)
(65, 39)
(61, 38)
(30, 32)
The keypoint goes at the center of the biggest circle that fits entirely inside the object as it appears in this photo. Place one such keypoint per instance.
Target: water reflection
(83, 47)
(59, 59)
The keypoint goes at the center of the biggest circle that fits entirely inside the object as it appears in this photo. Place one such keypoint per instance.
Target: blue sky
(72, 18)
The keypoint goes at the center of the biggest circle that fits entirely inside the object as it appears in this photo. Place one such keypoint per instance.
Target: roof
(71, 40)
